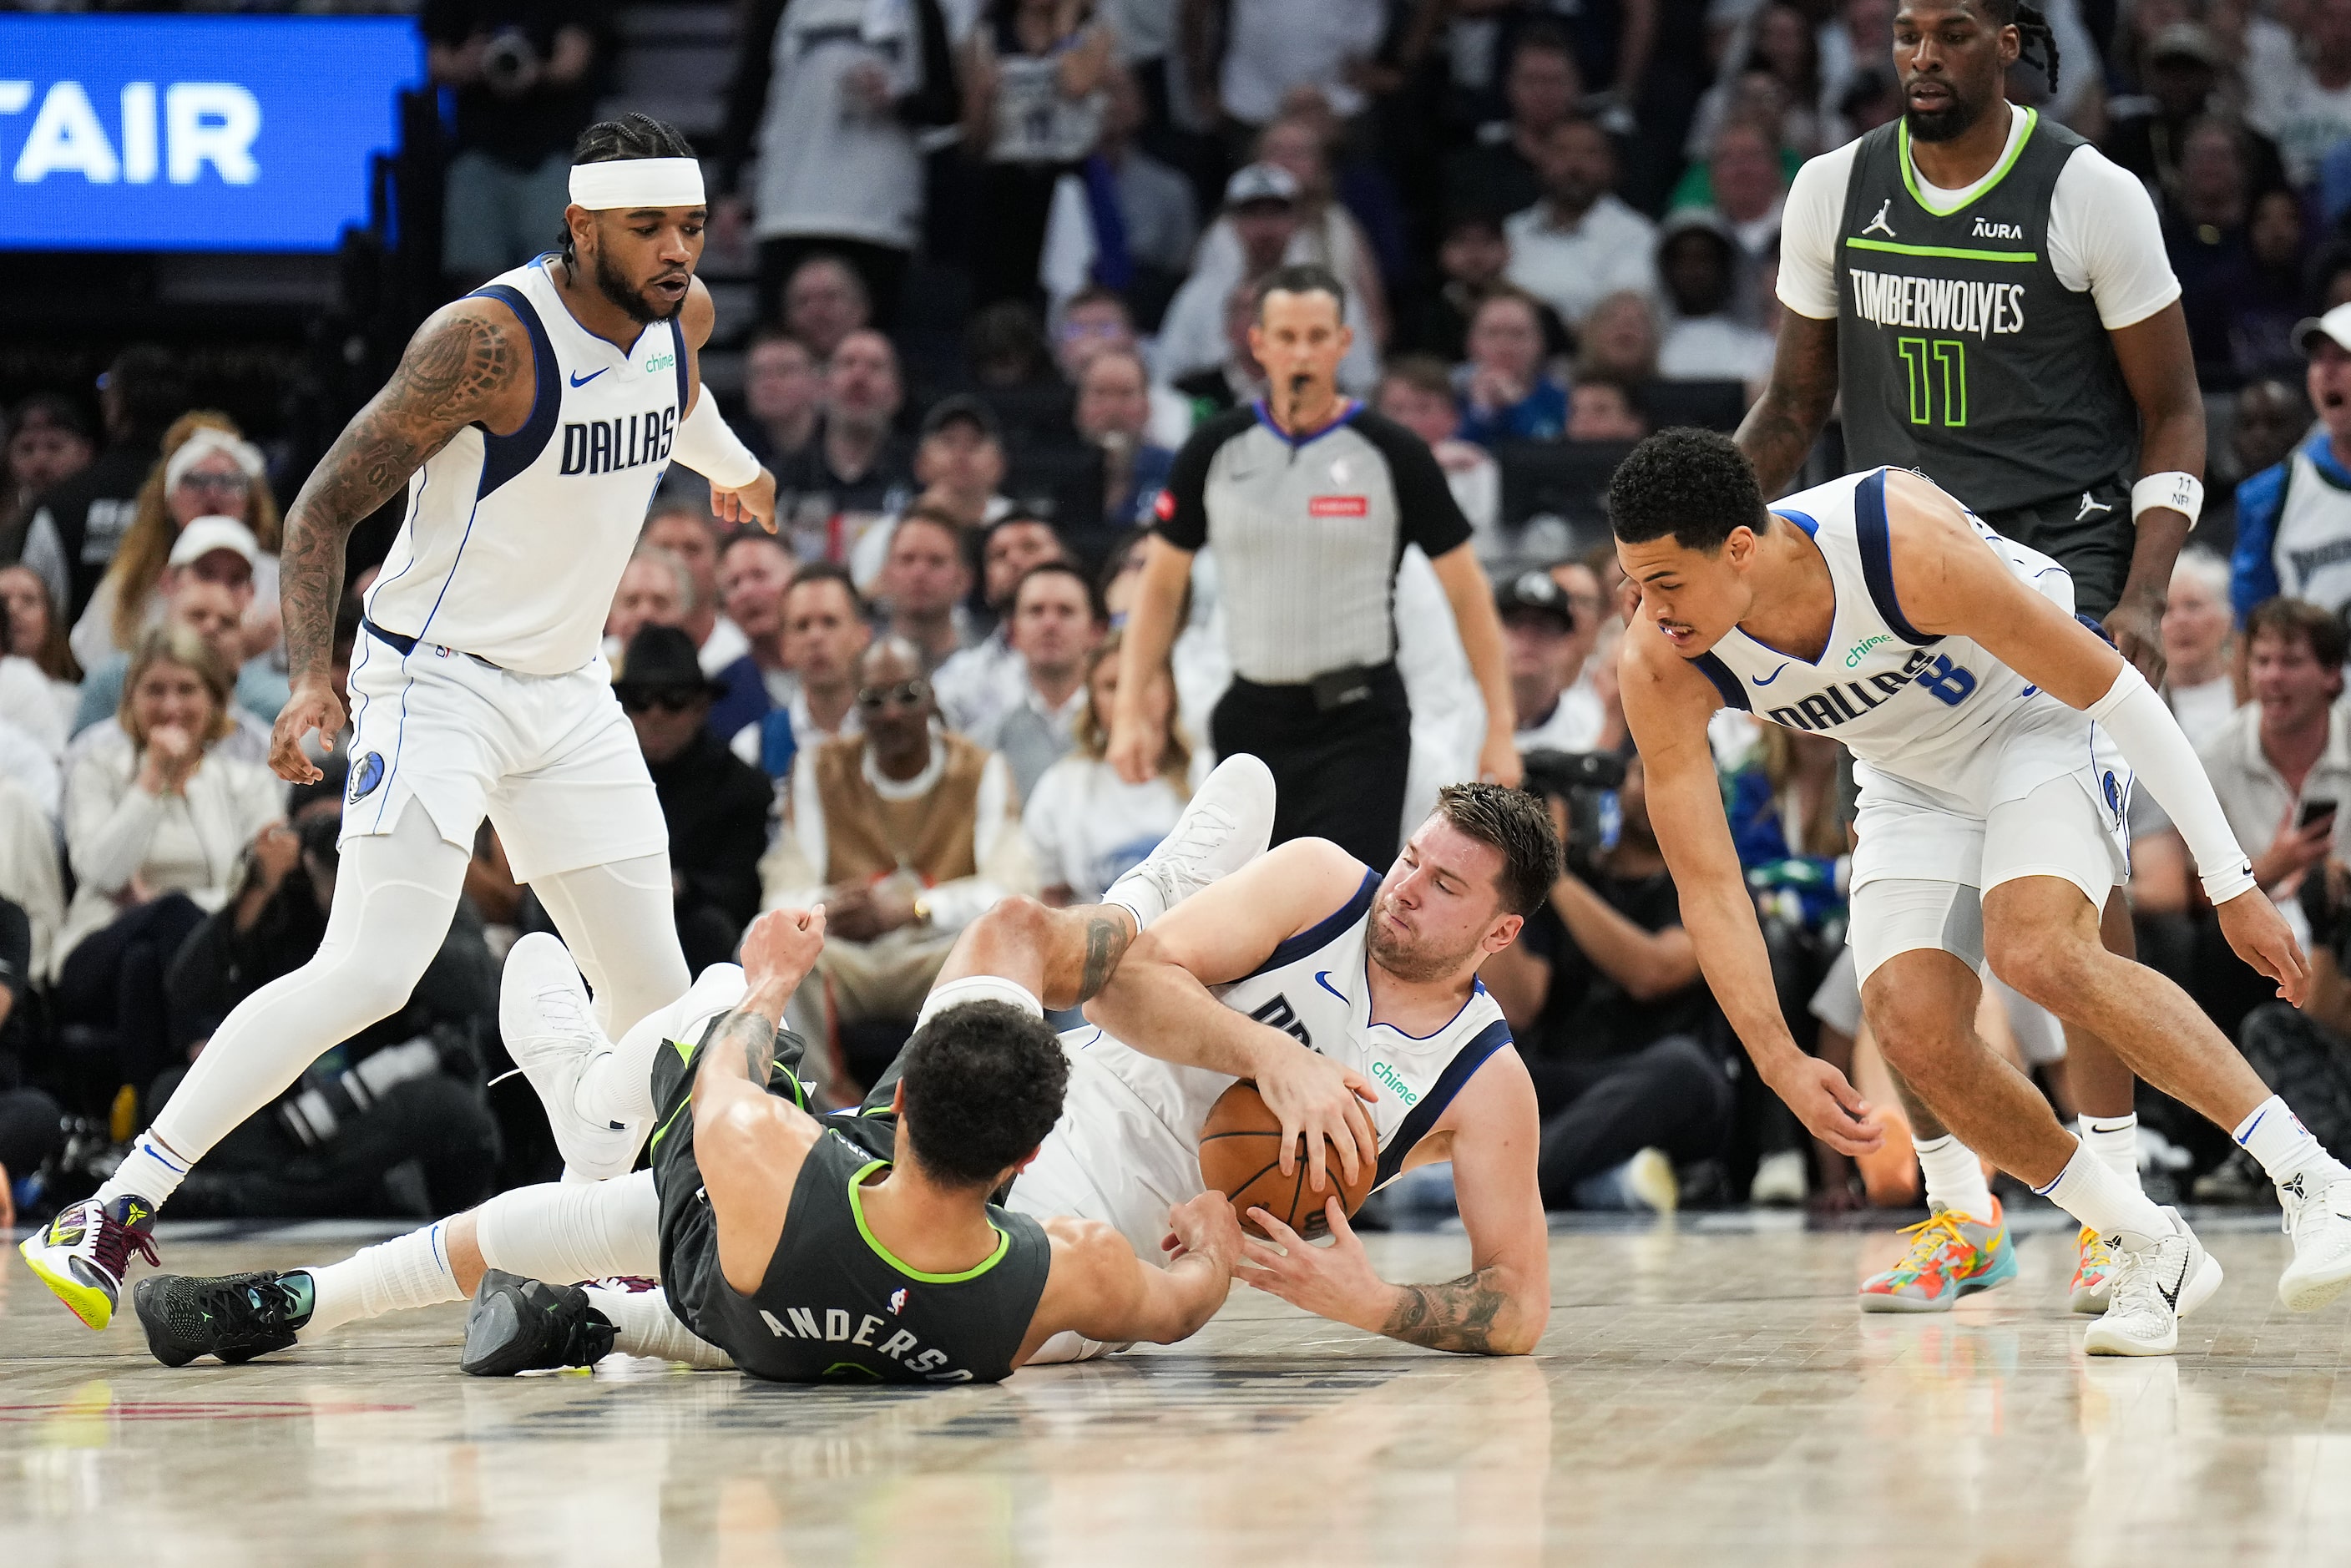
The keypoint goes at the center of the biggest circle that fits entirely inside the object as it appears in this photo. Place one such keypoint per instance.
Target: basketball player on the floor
(1992, 298)
(531, 422)
(1386, 1044)
(1994, 736)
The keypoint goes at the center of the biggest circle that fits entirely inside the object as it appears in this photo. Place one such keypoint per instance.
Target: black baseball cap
(964, 409)
(1535, 594)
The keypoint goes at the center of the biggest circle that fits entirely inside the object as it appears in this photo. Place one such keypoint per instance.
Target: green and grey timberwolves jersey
(1958, 351)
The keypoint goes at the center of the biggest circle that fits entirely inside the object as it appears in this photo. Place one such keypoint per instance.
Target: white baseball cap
(205, 535)
(2335, 324)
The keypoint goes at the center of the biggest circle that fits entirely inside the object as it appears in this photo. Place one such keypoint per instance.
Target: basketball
(1240, 1156)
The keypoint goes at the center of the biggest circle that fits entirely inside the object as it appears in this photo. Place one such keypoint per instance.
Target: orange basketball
(1240, 1156)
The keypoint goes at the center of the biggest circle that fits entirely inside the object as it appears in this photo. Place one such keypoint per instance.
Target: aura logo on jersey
(609, 445)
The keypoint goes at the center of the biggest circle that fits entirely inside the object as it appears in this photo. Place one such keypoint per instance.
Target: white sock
(147, 1172)
(2114, 1140)
(2100, 1199)
(411, 1271)
(1955, 1176)
(647, 1327)
(977, 989)
(2274, 1135)
(1139, 896)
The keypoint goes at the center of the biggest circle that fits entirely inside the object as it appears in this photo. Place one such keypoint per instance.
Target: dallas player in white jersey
(530, 423)
(1351, 998)
(1989, 731)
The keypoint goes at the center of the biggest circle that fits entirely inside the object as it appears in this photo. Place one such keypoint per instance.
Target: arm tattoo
(1778, 432)
(753, 1034)
(1106, 940)
(454, 368)
(1457, 1315)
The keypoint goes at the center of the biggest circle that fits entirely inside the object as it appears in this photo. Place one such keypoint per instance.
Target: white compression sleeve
(709, 446)
(2159, 753)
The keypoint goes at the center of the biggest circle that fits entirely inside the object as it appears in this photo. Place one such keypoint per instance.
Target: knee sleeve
(564, 1232)
(619, 923)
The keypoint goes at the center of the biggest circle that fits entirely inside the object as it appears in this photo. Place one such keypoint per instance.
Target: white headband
(637, 182)
(205, 440)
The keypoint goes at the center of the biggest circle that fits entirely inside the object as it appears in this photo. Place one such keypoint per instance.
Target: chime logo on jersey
(609, 445)
(1938, 304)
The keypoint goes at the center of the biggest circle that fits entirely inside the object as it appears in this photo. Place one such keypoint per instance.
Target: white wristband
(2179, 492)
(709, 444)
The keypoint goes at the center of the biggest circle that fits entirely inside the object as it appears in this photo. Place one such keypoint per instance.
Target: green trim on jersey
(662, 1131)
(857, 1212)
(1954, 252)
(1919, 195)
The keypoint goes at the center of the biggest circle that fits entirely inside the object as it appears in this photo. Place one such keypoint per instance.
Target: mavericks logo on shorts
(366, 774)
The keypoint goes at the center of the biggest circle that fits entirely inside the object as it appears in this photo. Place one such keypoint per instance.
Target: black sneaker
(525, 1325)
(234, 1316)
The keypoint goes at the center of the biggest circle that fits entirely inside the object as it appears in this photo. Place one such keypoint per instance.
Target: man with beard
(1990, 296)
(530, 423)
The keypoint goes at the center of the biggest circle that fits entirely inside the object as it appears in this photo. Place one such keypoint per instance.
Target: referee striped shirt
(1309, 531)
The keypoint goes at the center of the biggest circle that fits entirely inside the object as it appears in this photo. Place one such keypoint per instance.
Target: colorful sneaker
(1951, 1255)
(2094, 1267)
(83, 1252)
(234, 1316)
(2319, 1220)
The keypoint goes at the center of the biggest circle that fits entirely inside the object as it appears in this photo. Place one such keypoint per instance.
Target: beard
(631, 300)
(1413, 962)
(1944, 124)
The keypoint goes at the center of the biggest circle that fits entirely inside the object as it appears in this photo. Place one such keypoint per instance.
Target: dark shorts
(2094, 545)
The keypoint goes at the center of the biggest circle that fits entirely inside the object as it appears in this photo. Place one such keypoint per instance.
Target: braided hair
(616, 141)
(2034, 24)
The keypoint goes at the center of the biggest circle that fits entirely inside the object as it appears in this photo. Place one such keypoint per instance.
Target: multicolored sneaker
(2094, 1269)
(1951, 1255)
(83, 1252)
(235, 1317)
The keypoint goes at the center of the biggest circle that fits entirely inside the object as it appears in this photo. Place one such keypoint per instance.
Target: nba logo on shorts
(366, 774)
(898, 1300)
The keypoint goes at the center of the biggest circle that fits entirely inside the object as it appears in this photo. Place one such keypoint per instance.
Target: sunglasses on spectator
(675, 700)
(218, 484)
(905, 694)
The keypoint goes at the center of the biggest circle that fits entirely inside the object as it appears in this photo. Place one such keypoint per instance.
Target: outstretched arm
(1099, 1288)
(469, 363)
(741, 490)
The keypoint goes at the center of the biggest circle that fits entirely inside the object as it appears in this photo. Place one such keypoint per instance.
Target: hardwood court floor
(1706, 1394)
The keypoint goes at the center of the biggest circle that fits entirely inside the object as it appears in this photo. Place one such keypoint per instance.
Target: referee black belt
(1332, 689)
(407, 644)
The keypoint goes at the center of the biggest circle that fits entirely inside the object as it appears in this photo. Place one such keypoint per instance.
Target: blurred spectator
(922, 584)
(1699, 261)
(2294, 519)
(1273, 45)
(978, 683)
(1327, 233)
(1471, 258)
(76, 527)
(1746, 183)
(754, 570)
(1057, 619)
(2265, 422)
(1620, 340)
(857, 469)
(2287, 746)
(1114, 416)
(35, 633)
(157, 820)
(655, 591)
(906, 833)
(1122, 220)
(826, 300)
(2303, 102)
(1556, 711)
(1035, 75)
(960, 464)
(525, 78)
(1857, 59)
(1087, 827)
(2197, 681)
(1507, 393)
(1581, 243)
(716, 806)
(1776, 58)
(32, 882)
(825, 632)
(1235, 379)
(48, 442)
(2204, 235)
(837, 94)
(211, 605)
(207, 470)
(1417, 392)
(685, 528)
(1094, 321)
(1603, 410)
(782, 387)
(2148, 133)
(1602, 987)
(1497, 174)
(404, 1093)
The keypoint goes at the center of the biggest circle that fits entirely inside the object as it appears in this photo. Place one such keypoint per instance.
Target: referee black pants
(1339, 774)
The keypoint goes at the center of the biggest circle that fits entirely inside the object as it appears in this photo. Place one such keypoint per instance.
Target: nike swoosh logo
(579, 381)
(1767, 680)
(1322, 978)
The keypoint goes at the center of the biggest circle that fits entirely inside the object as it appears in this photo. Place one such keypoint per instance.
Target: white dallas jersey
(1917, 708)
(1126, 1108)
(514, 545)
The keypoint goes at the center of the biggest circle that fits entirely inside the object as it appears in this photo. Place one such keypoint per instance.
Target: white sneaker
(1779, 1180)
(551, 1033)
(2319, 1220)
(2156, 1282)
(1227, 825)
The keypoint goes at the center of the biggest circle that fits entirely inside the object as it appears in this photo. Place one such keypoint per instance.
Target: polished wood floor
(1707, 1394)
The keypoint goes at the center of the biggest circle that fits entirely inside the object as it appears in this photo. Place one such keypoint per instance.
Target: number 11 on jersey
(1923, 358)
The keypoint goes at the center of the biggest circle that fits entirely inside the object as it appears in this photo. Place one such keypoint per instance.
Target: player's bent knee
(2045, 967)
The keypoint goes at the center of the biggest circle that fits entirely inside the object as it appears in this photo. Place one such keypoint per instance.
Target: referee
(1992, 296)
(1310, 500)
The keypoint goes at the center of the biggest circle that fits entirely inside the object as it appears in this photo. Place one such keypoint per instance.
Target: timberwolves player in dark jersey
(1992, 297)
